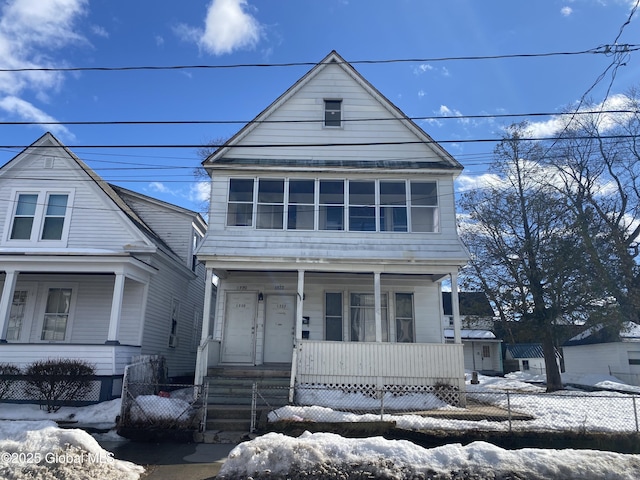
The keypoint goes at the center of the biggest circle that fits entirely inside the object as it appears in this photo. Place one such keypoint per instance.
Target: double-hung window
(333, 316)
(331, 209)
(424, 206)
(270, 213)
(393, 206)
(404, 318)
(333, 113)
(363, 319)
(56, 315)
(40, 216)
(362, 206)
(240, 207)
(301, 210)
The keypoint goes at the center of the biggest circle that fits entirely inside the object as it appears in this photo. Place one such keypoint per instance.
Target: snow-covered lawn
(568, 410)
(326, 455)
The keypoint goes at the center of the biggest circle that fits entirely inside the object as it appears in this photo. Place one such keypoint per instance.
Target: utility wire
(599, 50)
(294, 121)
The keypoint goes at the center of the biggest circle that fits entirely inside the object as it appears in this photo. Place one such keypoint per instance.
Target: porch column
(202, 355)
(206, 308)
(299, 305)
(116, 310)
(10, 279)
(455, 308)
(377, 305)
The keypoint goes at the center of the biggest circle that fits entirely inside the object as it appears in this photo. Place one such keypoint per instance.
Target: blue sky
(111, 33)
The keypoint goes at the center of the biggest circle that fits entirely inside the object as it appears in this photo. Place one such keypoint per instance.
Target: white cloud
(31, 31)
(420, 69)
(566, 11)
(606, 121)
(99, 31)
(466, 182)
(228, 27)
(159, 187)
(200, 192)
(29, 113)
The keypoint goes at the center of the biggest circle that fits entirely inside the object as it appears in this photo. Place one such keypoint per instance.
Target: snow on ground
(100, 415)
(331, 456)
(568, 410)
(43, 451)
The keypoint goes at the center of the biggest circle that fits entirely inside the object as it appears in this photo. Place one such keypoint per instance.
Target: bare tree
(523, 251)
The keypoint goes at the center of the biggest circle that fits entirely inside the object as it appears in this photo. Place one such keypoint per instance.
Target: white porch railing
(108, 359)
(379, 364)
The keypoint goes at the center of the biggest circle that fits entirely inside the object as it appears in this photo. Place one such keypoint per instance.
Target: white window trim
(324, 113)
(44, 294)
(38, 218)
(25, 329)
(346, 205)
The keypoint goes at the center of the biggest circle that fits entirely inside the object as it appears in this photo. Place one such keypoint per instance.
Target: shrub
(8, 374)
(53, 382)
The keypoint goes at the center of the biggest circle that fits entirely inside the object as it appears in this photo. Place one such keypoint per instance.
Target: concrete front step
(271, 391)
(232, 417)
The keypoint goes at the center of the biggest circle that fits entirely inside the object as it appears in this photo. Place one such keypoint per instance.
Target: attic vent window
(333, 113)
(48, 162)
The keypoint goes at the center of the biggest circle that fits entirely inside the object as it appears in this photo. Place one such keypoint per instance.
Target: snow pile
(40, 450)
(327, 455)
(153, 407)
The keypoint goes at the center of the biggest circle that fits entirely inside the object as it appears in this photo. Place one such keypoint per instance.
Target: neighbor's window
(525, 365)
(393, 206)
(333, 316)
(404, 318)
(301, 208)
(54, 216)
(56, 315)
(362, 206)
(424, 206)
(363, 321)
(333, 113)
(240, 209)
(486, 351)
(16, 315)
(24, 216)
(331, 208)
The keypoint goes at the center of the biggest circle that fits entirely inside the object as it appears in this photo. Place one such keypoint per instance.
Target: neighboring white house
(332, 225)
(482, 350)
(92, 271)
(605, 350)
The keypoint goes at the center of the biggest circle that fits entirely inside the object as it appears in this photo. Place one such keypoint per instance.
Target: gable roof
(525, 350)
(629, 332)
(333, 58)
(48, 139)
(471, 303)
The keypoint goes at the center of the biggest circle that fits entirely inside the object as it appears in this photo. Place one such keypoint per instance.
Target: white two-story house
(92, 271)
(331, 227)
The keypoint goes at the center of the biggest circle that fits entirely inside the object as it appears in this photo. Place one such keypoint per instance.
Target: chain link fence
(438, 409)
(150, 403)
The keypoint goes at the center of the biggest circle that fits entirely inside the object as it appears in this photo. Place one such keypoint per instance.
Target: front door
(238, 344)
(279, 328)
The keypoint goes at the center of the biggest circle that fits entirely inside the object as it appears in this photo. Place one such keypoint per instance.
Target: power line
(599, 50)
(316, 145)
(316, 120)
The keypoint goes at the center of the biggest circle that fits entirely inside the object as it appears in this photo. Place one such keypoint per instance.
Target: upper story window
(240, 207)
(424, 206)
(333, 113)
(40, 216)
(270, 212)
(301, 212)
(328, 204)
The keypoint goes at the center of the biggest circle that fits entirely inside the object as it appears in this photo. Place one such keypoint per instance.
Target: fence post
(635, 412)
(381, 393)
(509, 409)
(254, 392)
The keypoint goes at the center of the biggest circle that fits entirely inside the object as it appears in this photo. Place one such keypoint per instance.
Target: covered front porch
(333, 327)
